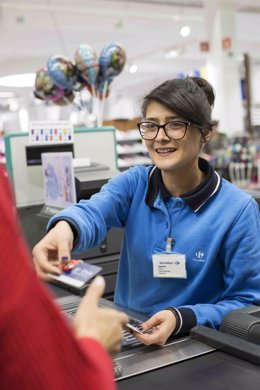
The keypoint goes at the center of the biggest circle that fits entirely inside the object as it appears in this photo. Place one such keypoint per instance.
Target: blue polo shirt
(216, 226)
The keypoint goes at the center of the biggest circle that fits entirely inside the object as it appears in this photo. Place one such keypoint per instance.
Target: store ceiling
(32, 31)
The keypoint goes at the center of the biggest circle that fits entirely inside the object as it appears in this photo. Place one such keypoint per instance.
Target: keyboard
(69, 306)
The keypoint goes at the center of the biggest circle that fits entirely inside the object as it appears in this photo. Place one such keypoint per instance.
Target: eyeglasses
(173, 129)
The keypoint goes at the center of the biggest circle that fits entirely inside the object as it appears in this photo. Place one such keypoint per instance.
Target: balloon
(66, 99)
(37, 95)
(63, 72)
(87, 64)
(45, 89)
(112, 60)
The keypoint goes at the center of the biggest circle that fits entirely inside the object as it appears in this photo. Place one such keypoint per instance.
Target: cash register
(88, 178)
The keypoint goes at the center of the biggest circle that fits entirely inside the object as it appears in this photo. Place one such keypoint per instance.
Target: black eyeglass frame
(187, 124)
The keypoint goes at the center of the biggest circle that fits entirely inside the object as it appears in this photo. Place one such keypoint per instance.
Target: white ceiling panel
(32, 31)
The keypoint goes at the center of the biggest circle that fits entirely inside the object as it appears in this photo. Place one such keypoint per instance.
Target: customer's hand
(104, 325)
(54, 247)
(158, 328)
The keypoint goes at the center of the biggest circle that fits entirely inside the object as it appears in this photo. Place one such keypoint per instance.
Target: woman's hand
(158, 328)
(52, 249)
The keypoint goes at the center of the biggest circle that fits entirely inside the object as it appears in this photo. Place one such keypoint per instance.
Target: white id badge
(171, 265)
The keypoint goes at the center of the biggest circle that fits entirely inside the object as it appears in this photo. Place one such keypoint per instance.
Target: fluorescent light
(18, 80)
(185, 31)
(13, 105)
(133, 68)
(6, 95)
(172, 54)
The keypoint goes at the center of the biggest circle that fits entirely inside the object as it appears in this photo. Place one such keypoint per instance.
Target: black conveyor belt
(215, 371)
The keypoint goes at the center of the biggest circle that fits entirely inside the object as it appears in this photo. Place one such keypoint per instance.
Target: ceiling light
(185, 31)
(133, 68)
(13, 105)
(6, 95)
(18, 80)
(172, 54)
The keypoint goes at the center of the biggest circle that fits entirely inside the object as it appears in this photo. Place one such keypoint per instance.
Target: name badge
(169, 265)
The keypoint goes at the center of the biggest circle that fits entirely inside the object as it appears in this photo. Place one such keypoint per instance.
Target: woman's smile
(164, 152)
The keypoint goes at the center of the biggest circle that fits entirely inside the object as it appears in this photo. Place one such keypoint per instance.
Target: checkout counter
(24, 165)
(206, 359)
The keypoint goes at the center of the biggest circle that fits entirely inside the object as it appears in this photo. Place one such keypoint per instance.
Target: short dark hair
(191, 98)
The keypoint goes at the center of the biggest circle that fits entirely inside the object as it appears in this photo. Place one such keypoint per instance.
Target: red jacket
(37, 349)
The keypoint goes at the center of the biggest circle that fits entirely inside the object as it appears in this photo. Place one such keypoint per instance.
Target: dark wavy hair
(191, 98)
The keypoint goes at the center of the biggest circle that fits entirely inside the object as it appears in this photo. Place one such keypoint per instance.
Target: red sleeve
(38, 350)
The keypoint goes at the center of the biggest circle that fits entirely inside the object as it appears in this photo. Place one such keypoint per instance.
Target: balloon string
(102, 104)
(93, 89)
(104, 90)
(95, 108)
(80, 107)
(99, 121)
(66, 100)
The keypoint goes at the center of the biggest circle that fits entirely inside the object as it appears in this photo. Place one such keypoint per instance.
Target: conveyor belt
(140, 359)
(214, 371)
(187, 363)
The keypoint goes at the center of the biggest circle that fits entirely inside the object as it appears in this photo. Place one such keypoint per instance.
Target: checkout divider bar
(228, 343)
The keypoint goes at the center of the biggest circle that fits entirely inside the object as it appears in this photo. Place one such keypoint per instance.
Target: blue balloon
(87, 64)
(63, 72)
(112, 60)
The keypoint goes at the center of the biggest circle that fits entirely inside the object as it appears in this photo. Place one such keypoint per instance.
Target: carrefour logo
(199, 254)
(199, 257)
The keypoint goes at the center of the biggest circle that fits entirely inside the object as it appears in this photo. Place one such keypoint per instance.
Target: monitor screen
(34, 152)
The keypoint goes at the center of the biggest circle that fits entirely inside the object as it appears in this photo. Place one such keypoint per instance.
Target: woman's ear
(206, 136)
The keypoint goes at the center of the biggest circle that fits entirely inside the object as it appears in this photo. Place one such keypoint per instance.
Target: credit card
(134, 328)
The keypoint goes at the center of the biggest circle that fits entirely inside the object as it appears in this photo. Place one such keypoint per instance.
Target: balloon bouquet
(63, 82)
